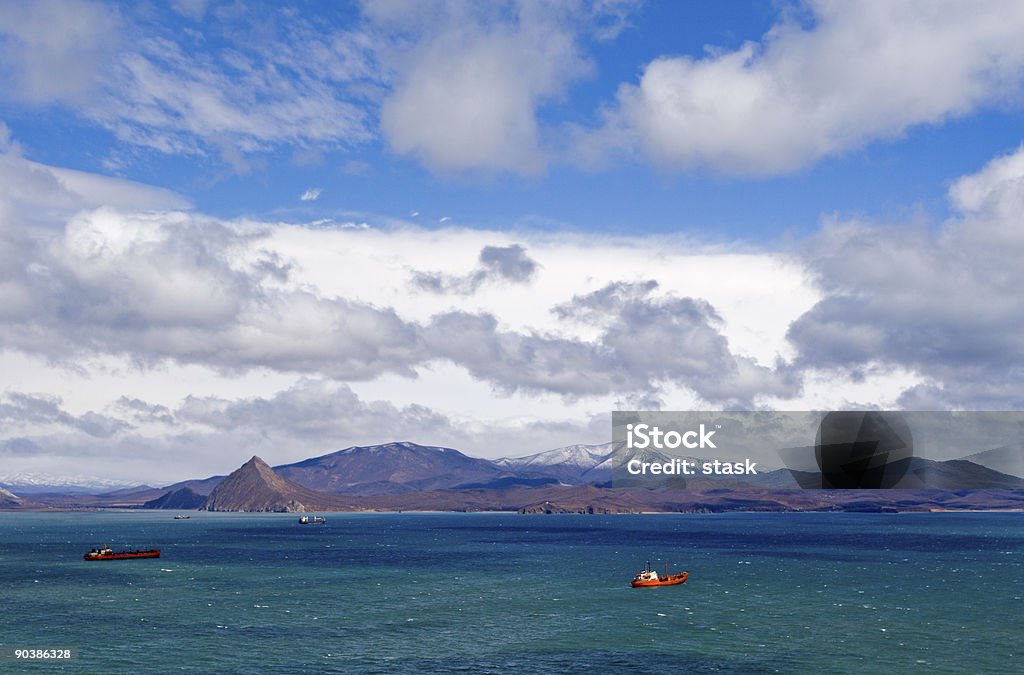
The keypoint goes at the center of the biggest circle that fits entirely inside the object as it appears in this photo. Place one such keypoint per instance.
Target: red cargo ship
(108, 554)
(648, 577)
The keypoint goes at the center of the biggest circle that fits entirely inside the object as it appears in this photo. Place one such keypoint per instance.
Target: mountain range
(25, 483)
(573, 464)
(392, 468)
(406, 475)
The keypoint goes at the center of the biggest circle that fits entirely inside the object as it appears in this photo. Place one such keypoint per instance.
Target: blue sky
(517, 217)
(875, 178)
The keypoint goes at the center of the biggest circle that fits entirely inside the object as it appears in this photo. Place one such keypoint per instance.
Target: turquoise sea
(506, 593)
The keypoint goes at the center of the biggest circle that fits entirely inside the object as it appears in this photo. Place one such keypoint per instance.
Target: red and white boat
(648, 577)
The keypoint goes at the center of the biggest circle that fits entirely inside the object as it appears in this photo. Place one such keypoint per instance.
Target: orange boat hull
(123, 555)
(671, 580)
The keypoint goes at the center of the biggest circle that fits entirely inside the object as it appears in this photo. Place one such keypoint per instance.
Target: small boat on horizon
(181, 517)
(648, 577)
(106, 553)
(312, 520)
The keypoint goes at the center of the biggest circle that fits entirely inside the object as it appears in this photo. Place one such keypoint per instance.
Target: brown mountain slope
(391, 468)
(255, 487)
(9, 500)
(178, 499)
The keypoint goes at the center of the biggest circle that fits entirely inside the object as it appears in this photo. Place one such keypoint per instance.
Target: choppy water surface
(511, 593)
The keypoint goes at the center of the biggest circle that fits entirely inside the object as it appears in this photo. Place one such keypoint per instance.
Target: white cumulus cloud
(468, 88)
(817, 85)
(944, 304)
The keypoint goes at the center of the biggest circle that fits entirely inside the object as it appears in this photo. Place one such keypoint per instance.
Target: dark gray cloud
(497, 264)
(598, 306)
(317, 410)
(508, 262)
(141, 411)
(435, 282)
(965, 390)
(271, 264)
(645, 341)
(20, 409)
(20, 447)
(514, 361)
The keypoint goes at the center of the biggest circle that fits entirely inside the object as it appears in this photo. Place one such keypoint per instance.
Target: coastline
(101, 509)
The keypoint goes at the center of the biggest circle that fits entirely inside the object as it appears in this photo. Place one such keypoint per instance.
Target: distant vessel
(181, 517)
(648, 577)
(312, 520)
(106, 553)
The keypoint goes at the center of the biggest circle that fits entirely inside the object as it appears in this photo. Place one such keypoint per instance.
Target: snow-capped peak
(27, 479)
(579, 456)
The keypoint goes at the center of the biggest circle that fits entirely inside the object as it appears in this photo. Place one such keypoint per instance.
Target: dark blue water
(510, 593)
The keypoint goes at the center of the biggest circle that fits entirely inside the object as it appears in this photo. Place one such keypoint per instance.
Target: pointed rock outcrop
(255, 487)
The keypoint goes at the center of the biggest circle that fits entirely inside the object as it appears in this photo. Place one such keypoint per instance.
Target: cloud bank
(578, 324)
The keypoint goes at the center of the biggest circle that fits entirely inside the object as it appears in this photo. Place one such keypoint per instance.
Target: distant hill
(255, 487)
(182, 499)
(145, 495)
(956, 474)
(393, 468)
(917, 473)
(201, 486)
(1008, 459)
(74, 496)
(9, 499)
